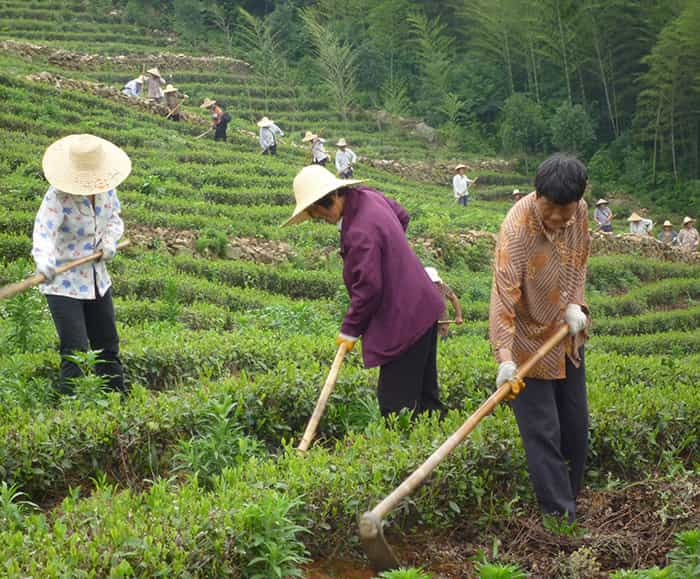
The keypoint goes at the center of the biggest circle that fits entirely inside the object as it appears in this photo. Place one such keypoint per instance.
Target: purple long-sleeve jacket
(392, 300)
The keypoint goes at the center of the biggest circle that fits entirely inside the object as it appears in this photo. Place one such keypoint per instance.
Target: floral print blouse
(68, 228)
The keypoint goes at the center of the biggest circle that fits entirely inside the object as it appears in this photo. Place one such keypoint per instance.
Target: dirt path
(628, 528)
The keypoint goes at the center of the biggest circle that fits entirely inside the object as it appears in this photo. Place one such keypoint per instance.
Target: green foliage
(684, 561)
(403, 573)
(572, 130)
(13, 507)
(22, 313)
(212, 241)
(523, 129)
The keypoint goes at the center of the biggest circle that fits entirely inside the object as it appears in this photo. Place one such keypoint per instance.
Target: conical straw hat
(265, 122)
(341, 143)
(634, 217)
(687, 220)
(207, 103)
(311, 184)
(85, 165)
(309, 136)
(170, 88)
(154, 72)
(601, 202)
(460, 166)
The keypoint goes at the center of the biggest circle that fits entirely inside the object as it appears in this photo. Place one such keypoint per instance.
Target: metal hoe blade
(378, 551)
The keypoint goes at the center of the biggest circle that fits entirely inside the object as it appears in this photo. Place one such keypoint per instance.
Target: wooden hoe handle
(420, 474)
(13, 289)
(311, 427)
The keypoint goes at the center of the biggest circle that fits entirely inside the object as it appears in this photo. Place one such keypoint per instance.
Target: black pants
(552, 417)
(220, 132)
(347, 174)
(271, 150)
(322, 162)
(410, 381)
(83, 323)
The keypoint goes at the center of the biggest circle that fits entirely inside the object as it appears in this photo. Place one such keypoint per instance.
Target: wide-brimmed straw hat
(634, 217)
(85, 165)
(687, 220)
(309, 136)
(341, 143)
(207, 103)
(154, 72)
(667, 223)
(516, 192)
(311, 184)
(601, 202)
(460, 166)
(265, 122)
(433, 275)
(169, 88)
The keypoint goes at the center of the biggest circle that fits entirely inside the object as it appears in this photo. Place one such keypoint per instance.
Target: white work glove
(47, 270)
(349, 341)
(575, 318)
(506, 373)
(108, 252)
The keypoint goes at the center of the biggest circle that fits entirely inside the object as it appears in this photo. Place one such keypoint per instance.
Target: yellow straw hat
(85, 165)
(601, 202)
(207, 103)
(154, 72)
(460, 166)
(516, 192)
(169, 88)
(667, 223)
(311, 184)
(341, 143)
(687, 220)
(634, 217)
(265, 122)
(309, 136)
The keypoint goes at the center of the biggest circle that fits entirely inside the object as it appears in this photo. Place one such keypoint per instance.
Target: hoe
(14, 288)
(378, 551)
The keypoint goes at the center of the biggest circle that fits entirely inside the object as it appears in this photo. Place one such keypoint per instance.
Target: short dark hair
(327, 200)
(561, 179)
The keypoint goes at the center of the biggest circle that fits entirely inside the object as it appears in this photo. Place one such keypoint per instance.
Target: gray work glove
(506, 373)
(575, 318)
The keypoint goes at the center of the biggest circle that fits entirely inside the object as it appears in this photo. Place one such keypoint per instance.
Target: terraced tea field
(194, 473)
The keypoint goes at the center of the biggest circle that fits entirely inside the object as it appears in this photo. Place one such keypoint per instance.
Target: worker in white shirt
(345, 159)
(134, 87)
(318, 152)
(269, 134)
(460, 185)
(639, 225)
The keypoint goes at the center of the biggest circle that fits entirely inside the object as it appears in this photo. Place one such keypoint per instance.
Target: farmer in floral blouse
(79, 216)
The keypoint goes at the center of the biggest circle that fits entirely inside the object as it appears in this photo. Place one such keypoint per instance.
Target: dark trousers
(410, 381)
(347, 174)
(463, 200)
(83, 323)
(552, 417)
(271, 150)
(322, 162)
(220, 132)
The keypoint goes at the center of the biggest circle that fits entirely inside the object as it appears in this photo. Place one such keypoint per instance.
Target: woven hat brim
(300, 212)
(267, 123)
(63, 175)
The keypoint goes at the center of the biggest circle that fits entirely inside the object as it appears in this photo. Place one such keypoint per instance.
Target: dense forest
(614, 81)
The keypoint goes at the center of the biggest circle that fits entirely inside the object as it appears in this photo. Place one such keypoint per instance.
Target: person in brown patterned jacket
(538, 285)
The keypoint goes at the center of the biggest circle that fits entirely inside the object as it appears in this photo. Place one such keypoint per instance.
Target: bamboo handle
(311, 427)
(420, 474)
(13, 289)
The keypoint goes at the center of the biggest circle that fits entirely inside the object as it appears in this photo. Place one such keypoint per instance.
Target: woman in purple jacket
(393, 304)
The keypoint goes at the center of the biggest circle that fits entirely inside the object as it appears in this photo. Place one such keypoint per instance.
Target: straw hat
(309, 136)
(433, 275)
(265, 122)
(460, 166)
(516, 192)
(341, 143)
(85, 165)
(634, 217)
(687, 220)
(667, 223)
(207, 103)
(601, 202)
(169, 88)
(154, 72)
(311, 184)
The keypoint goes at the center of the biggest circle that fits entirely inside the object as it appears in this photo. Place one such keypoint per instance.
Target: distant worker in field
(688, 237)
(668, 235)
(460, 185)
(640, 225)
(345, 160)
(134, 87)
(603, 216)
(538, 287)
(269, 133)
(318, 152)
(517, 195)
(219, 118)
(155, 84)
(78, 216)
(394, 306)
(448, 296)
(172, 102)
